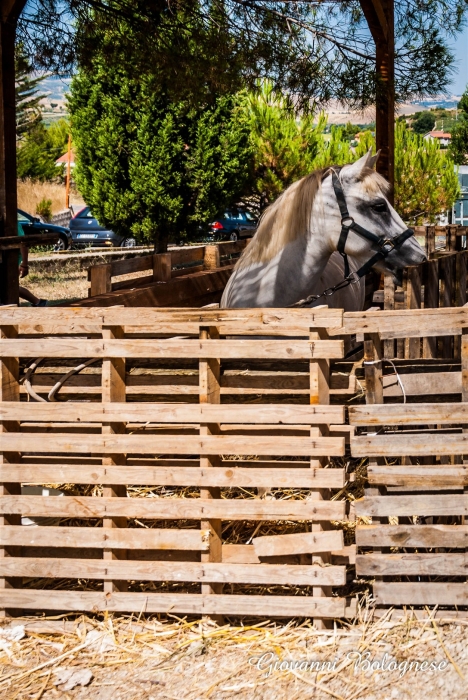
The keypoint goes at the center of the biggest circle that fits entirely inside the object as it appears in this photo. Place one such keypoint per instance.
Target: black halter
(384, 245)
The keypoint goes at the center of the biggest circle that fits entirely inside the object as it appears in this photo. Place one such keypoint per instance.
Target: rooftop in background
(63, 160)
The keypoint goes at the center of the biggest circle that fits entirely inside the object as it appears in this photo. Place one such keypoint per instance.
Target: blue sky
(461, 52)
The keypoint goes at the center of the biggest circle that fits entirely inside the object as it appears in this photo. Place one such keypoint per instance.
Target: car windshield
(85, 214)
(22, 216)
(249, 216)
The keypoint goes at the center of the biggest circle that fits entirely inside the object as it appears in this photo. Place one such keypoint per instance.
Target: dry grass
(30, 193)
(65, 284)
(121, 658)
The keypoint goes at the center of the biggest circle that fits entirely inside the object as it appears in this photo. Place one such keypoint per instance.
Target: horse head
(374, 225)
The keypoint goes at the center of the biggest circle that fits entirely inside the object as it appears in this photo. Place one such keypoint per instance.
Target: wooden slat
(399, 444)
(188, 603)
(125, 267)
(412, 564)
(423, 477)
(176, 476)
(407, 414)
(174, 413)
(416, 504)
(298, 543)
(114, 538)
(423, 384)
(285, 320)
(452, 594)
(215, 572)
(176, 508)
(233, 349)
(409, 323)
(453, 536)
(172, 444)
(246, 554)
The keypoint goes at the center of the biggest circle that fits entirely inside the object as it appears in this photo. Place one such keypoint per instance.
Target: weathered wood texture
(173, 479)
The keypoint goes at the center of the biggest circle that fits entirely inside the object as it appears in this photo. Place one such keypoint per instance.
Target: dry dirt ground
(123, 659)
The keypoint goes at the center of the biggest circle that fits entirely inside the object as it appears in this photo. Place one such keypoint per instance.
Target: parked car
(86, 230)
(31, 224)
(233, 224)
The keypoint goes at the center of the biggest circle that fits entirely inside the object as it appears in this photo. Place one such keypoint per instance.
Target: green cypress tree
(459, 143)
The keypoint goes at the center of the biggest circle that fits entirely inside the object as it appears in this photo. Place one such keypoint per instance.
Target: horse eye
(380, 207)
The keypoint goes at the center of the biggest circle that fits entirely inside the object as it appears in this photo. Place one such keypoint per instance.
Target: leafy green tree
(459, 144)
(150, 167)
(27, 95)
(423, 122)
(40, 149)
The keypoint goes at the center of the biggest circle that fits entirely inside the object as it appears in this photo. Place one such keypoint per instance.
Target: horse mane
(288, 217)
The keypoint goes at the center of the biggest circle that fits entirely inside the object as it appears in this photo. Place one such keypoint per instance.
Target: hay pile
(123, 658)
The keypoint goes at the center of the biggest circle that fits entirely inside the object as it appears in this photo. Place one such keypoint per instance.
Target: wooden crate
(164, 484)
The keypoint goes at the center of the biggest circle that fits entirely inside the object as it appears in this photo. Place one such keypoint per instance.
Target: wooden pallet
(171, 551)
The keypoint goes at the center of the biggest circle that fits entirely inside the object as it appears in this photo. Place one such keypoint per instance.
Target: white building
(442, 137)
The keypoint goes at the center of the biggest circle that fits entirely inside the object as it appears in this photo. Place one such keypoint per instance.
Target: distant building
(442, 137)
(63, 160)
(459, 213)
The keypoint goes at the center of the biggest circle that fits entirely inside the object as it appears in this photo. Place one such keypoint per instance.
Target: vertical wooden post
(9, 279)
(162, 267)
(389, 305)
(452, 236)
(319, 371)
(101, 279)
(413, 301)
(211, 258)
(447, 273)
(209, 371)
(9, 391)
(113, 389)
(460, 293)
(430, 242)
(373, 368)
(431, 301)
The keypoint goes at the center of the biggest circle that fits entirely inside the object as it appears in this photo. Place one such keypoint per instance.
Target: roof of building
(439, 135)
(64, 158)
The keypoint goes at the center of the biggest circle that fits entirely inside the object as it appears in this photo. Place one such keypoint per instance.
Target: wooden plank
(100, 277)
(162, 267)
(431, 300)
(172, 444)
(113, 389)
(187, 255)
(176, 413)
(415, 504)
(126, 267)
(113, 538)
(452, 594)
(212, 260)
(298, 543)
(176, 508)
(447, 277)
(451, 536)
(404, 323)
(215, 572)
(233, 349)
(154, 318)
(423, 384)
(408, 414)
(413, 301)
(187, 603)
(224, 476)
(412, 564)
(416, 445)
(424, 477)
(389, 304)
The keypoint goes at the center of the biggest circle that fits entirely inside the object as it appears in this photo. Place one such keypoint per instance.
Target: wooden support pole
(430, 241)
(9, 391)
(211, 259)
(209, 388)
(431, 301)
(9, 278)
(389, 305)
(100, 277)
(413, 301)
(373, 368)
(113, 389)
(162, 266)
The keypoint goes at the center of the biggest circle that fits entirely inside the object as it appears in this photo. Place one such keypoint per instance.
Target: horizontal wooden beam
(452, 536)
(15, 242)
(272, 476)
(298, 543)
(424, 477)
(412, 564)
(419, 593)
(410, 414)
(176, 508)
(38, 443)
(232, 349)
(416, 504)
(398, 444)
(187, 603)
(172, 413)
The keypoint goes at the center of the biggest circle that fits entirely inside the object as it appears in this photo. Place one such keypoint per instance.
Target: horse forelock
(288, 218)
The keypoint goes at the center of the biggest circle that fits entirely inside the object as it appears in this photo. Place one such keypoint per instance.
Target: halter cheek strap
(384, 245)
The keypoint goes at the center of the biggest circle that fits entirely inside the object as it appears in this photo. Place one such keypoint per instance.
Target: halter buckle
(345, 219)
(388, 245)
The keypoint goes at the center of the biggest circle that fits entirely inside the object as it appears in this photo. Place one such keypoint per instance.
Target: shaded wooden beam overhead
(380, 18)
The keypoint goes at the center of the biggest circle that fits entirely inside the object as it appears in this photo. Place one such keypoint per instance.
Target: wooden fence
(165, 510)
(163, 268)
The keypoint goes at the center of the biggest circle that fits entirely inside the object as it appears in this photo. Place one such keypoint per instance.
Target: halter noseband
(385, 245)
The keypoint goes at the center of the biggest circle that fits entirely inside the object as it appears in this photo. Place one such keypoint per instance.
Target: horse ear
(353, 171)
(372, 160)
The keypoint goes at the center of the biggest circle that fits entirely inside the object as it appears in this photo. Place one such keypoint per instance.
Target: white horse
(294, 251)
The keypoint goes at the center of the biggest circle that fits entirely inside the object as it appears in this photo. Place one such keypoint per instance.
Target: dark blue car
(31, 224)
(86, 231)
(233, 224)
